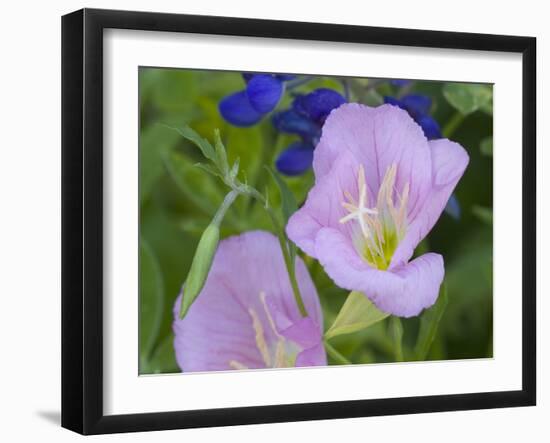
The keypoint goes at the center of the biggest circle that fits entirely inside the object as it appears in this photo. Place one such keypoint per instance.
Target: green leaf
(155, 141)
(204, 256)
(197, 187)
(289, 207)
(200, 267)
(468, 278)
(194, 226)
(487, 107)
(203, 144)
(336, 356)
(484, 214)
(486, 146)
(246, 145)
(151, 295)
(172, 247)
(429, 322)
(288, 201)
(221, 154)
(396, 330)
(207, 168)
(235, 169)
(357, 313)
(172, 90)
(163, 360)
(467, 97)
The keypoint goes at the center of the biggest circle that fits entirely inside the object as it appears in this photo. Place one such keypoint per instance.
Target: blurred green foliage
(178, 200)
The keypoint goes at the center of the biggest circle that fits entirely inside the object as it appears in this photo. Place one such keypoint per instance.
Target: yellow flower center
(377, 230)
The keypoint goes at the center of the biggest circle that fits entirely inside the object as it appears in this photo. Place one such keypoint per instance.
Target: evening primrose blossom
(246, 316)
(380, 186)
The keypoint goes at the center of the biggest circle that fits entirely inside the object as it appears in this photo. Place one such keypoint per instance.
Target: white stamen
(269, 317)
(386, 219)
(234, 364)
(260, 338)
(278, 356)
(360, 210)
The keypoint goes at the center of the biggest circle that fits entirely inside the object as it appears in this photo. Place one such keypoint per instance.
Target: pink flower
(245, 316)
(380, 186)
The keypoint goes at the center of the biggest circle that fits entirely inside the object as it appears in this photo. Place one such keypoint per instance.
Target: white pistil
(383, 226)
(359, 211)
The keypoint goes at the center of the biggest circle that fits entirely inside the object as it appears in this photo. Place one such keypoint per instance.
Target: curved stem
(289, 262)
(289, 265)
(298, 82)
(227, 201)
(345, 85)
(453, 124)
(336, 355)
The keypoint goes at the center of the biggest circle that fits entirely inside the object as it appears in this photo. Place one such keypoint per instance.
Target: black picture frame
(82, 220)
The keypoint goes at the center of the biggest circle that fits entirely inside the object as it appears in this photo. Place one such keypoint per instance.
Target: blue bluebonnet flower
(400, 83)
(452, 207)
(261, 95)
(305, 118)
(418, 106)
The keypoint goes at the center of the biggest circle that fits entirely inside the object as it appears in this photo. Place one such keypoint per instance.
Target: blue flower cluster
(418, 106)
(307, 114)
(261, 96)
(305, 119)
(400, 83)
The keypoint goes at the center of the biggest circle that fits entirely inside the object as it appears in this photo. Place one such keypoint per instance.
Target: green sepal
(429, 323)
(357, 313)
(202, 261)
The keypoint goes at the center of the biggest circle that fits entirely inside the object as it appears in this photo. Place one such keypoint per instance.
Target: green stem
(289, 265)
(293, 84)
(336, 355)
(258, 180)
(374, 83)
(199, 202)
(289, 262)
(404, 90)
(397, 334)
(293, 281)
(453, 124)
(227, 202)
(347, 92)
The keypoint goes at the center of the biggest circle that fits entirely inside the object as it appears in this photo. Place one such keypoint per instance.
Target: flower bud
(202, 261)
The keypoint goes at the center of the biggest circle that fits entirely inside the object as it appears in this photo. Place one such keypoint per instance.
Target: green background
(178, 200)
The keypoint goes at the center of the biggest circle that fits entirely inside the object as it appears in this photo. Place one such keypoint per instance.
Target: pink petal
(216, 330)
(305, 332)
(377, 138)
(314, 356)
(421, 279)
(218, 327)
(404, 291)
(449, 161)
(323, 206)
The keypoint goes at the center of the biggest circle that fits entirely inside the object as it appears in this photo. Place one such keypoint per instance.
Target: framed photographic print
(270, 221)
